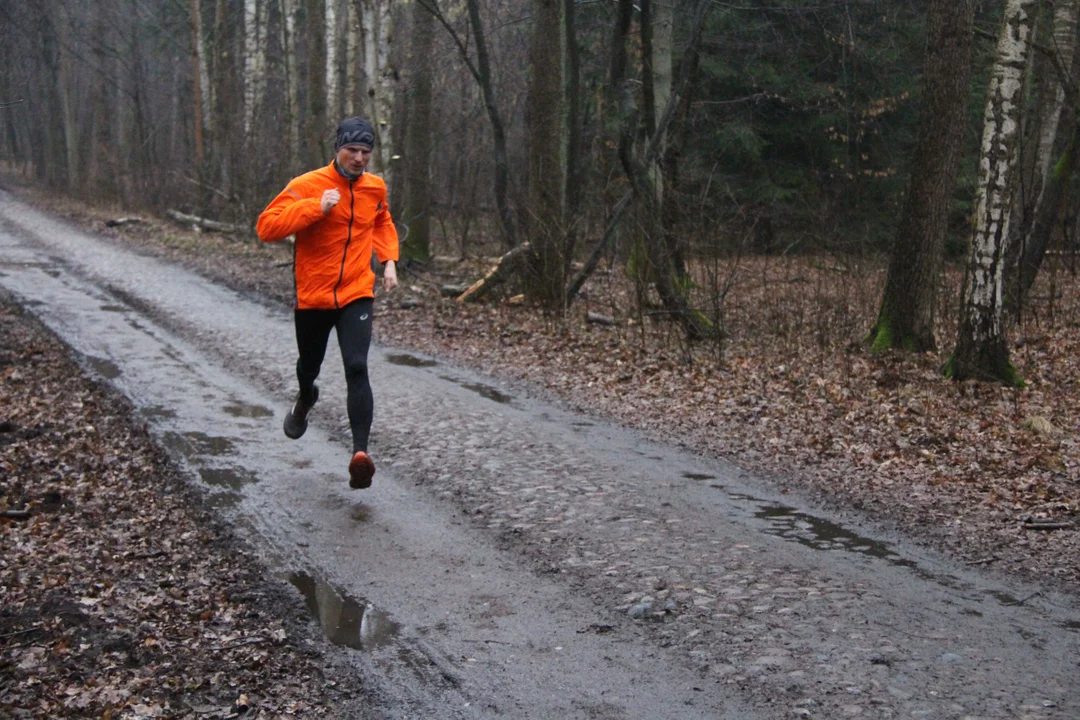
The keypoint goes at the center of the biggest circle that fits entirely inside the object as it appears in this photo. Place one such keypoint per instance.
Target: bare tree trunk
(315, 137)
(69, 102)
(201, 82)
(1056, 141)
(547, 152)
(386, 87)
(673, 294)
(100, 172)
(481, 71)
(981, 350)
(255, 21)
(417, 210)
(332, 61)
(575, 131)
(379, 77)
(353, 91)
(292, 103)
(909, 302)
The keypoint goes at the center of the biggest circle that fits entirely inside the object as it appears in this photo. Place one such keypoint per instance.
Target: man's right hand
(330, 198)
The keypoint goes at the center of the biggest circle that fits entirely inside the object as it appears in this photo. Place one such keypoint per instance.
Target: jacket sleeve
(288, 213)
(384, 237)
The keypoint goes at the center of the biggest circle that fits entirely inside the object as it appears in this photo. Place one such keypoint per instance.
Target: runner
(339, 216)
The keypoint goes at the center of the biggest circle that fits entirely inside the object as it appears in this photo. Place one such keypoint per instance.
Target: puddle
(698, 476)
(234, 478)
(1072, 626)
(813, 532)
(241, 410)
(192, 444)
(1004, 598)
(345, 621)
(409, 360)
(483, 390)
(113, 308)
(583, 424)
(154, 412)
(105, 368)
(972, 612)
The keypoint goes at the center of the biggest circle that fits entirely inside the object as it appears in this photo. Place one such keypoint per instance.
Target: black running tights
(353, 325)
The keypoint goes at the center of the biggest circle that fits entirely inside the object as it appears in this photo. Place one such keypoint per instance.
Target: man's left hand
(389, 277)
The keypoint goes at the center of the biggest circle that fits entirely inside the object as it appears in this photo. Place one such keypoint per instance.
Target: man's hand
(330, 198)
(389, 276)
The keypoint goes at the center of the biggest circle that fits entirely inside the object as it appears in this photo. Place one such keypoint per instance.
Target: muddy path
(517, 560)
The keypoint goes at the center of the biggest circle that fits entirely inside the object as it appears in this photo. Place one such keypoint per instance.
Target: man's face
(353, 158)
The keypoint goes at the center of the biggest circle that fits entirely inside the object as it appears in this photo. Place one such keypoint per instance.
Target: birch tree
(909, 302)
(332, 61)
(255, 21)
(201, 83)
(1055, 151)
(378, 76)
(981, 350)
(287, 9)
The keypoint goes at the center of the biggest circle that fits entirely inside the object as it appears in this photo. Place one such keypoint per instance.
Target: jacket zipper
(348, 239)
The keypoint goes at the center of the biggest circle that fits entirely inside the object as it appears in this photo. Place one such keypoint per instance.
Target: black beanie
(354, 130)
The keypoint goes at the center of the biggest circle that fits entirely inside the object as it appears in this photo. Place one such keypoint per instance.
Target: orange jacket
(332, 254)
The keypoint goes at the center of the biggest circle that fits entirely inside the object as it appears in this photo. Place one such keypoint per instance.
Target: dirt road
(517, 560)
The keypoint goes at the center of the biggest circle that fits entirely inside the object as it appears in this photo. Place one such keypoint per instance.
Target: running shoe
(361, 470)
(296, 419)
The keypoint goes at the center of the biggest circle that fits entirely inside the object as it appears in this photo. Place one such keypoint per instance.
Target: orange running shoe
(361, 470)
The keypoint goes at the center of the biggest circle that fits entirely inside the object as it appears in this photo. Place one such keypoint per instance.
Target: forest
(683, 143)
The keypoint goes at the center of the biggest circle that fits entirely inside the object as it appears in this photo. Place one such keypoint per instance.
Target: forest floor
(123, 594)
(974, 469)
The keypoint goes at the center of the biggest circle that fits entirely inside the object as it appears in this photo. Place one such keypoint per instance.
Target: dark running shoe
(296, 420)
(361, 470)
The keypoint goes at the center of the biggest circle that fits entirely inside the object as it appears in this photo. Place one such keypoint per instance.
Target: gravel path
(756, 595)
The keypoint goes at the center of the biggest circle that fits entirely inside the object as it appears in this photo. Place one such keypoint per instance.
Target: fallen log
(117, 222)
(598, 319)
(498, 274)
(202, 222)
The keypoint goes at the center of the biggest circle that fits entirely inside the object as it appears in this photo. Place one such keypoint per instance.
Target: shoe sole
(361, 470)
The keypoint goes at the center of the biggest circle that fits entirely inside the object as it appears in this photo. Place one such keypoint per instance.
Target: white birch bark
(332, 108)
(352, 48)
(1063, 44)
(203, 69)
(288, 45)
(981, 349)
(254, 60)
(386, 89)
(378, 75)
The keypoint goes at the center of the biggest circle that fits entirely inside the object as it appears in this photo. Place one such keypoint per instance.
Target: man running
(339, 216)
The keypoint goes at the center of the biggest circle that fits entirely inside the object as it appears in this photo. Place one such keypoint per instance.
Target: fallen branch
(23, 514)
(20, 632)
(1036, 525)
(497, 274)
(117, 222)
(202, 222)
